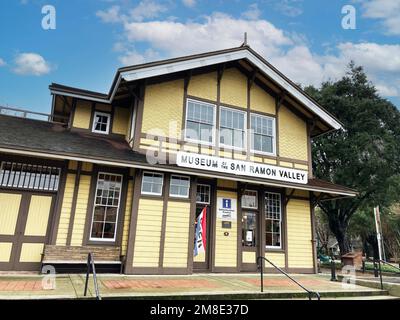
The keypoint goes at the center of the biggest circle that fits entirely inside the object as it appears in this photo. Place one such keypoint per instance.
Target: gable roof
(169, 66)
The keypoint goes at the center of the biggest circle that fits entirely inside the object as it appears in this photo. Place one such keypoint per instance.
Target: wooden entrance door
(24, 229)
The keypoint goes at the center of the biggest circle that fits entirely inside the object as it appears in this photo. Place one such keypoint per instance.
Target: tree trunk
(339, 229)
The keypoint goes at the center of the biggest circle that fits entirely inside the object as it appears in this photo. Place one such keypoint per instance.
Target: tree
(364, 155)
(322, 230)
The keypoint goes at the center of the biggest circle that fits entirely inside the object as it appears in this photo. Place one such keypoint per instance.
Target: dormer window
(101, 122)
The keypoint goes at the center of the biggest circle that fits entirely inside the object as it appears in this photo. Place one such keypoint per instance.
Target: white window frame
(280, 220)
(175, 195)
(241, 201)
(245, 129)
(212, 143)
(108, 115)
(209, 196)
(152, 193)
(118, 208)
(273, 153)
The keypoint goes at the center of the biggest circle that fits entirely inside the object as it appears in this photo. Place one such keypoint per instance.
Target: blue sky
(303, 38)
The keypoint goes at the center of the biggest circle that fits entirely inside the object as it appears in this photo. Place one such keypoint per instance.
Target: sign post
(378, 227)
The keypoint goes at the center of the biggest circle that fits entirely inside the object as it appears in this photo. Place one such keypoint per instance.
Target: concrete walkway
(198, 286)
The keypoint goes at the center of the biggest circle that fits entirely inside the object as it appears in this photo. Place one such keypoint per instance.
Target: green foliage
(364, 156)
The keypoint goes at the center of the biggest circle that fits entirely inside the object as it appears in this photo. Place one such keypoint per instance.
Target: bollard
(376, 274)
(333, 270)
(363, 266)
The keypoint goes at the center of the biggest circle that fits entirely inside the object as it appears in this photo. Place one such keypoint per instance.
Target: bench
(77, 255)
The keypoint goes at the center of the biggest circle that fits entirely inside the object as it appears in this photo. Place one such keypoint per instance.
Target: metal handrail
(90, 265)
(25, 113)
(260, 265)
(380, 261)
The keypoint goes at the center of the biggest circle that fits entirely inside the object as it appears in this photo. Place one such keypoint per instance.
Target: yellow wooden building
(222, 134)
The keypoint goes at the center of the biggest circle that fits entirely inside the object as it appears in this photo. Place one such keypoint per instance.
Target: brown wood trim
(56, 214)
(213, 224)
(167, 179)
(193, 194)
(139, 117)
(133, 223)
(72, 114)
(239, 226)
(73, 205)
(313, 236)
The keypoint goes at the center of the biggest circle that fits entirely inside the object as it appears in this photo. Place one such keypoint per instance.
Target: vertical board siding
(83, 113)
(292, 135)
(177, 235)
(38, 215)
(148, 233)
(81, 211)
(120, 121)
(234, 88)
(163, 106)
(66, 211)
(278, 258)
(9, 212)
(248, 257)
(204, 86)
(261, 101)
(300, 253)
(31, 252)
(127, 218)
(5, 251)
(226, 246)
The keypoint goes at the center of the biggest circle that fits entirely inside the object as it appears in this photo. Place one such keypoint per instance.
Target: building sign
(241, 168)
(226, 209)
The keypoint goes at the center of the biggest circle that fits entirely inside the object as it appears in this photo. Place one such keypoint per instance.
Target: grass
(368, 266)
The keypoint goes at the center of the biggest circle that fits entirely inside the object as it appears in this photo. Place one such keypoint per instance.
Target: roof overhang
(170, 66)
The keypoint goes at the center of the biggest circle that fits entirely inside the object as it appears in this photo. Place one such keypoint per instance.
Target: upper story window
(200, 122)
(263, 134)
(152, 183)
(273, 220)
(179, 186)
(232, 128)
(101, 122)
(250, 199)
(203, 194)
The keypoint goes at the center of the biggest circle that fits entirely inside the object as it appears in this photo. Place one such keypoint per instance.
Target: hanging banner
(200, 242)
(239, 167)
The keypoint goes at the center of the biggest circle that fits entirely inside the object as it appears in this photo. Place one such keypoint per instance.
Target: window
(249, 229)
(263, 134)
(28, 176)
(179, 186)
(106, 207)
(200, 121)
(101, 122)
(203, 194)
(232, 128)
(249, 199)
(152, 183)
(273, 220)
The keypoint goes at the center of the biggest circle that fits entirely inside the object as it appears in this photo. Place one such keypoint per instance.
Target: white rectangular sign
(226, 209)
(241, 168)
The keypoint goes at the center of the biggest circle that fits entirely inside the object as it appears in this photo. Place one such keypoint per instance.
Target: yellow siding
(299, 193)
(177, 235)
(163, 107)
(5, 251)
(292, 135)
(301, 166)
(286, 164)
(73, 165)
(277, 258)
(204, 86)
(9, 208)
(261, 101)
(66, 210)
(227, 183)
(120, 121)
(31, 252)
(38, 215)
(87, 166)
(299, 234)
(270, 161)
(80, 211)
(148, 233)
(226, 246)
(234, 88)
(248, 257)
(82, 114)
(127, 218)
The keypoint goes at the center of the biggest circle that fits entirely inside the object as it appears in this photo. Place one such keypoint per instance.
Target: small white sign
(226, 209)
(249, 236)
(239, 167)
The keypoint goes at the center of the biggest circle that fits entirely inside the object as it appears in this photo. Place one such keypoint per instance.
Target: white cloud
(31, 64)
(252, 13)
(147, 9)
(2, 62)
(189, 3)
(385, 10)
(132, 57)
(111, 15)
(291, 8)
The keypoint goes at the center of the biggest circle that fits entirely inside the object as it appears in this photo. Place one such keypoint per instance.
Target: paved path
(71, 286)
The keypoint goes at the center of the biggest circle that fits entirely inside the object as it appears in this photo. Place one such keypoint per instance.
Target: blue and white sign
(226, 209)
